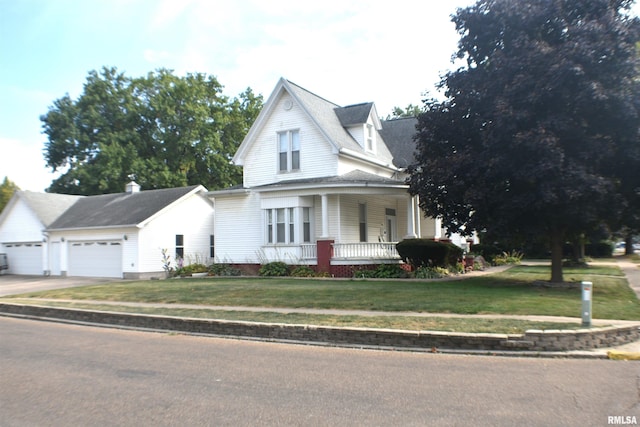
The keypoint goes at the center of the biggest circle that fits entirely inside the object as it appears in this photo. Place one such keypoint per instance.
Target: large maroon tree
(532, 128)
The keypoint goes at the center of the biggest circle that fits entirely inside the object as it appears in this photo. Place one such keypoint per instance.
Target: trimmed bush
(430, 273)
(223, 270)
(274, 269)
(303, 271)
(429, 253)
(382, 271)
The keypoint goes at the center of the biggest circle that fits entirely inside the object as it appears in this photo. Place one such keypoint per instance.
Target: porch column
(411, 219)
(325, 216)
(438, 229)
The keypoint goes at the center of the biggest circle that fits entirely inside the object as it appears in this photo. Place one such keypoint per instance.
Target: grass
(511, 292)
(410, 323)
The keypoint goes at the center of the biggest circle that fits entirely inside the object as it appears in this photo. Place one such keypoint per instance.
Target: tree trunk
(578, 249)
(628, 244)
(557, 242)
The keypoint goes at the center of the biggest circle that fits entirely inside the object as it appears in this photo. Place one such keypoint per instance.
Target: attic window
(289, 151)
(371, 139)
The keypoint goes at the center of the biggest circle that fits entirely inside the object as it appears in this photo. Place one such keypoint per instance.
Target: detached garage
(118, 235)
(22, 229)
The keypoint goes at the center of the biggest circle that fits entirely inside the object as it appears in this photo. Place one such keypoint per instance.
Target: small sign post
(587, 288)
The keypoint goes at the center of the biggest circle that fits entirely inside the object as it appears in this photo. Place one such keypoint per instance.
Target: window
(179, 246)
(282, 225)
(362, 219)
(280, 229)
(289, 151)
(212, 246)
(270, 226)
(292, 226)
(370, 138)
(306, 225)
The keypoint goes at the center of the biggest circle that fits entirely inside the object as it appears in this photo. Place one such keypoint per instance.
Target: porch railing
(309, 250)
(380, 250)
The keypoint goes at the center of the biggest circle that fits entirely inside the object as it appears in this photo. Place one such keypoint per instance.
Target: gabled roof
(46, 206)
(354, 114)
(121, 209)
(328, 118)
(398, 135)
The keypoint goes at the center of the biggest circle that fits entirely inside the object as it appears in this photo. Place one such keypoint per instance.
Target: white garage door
(95, 259)
(24, 258)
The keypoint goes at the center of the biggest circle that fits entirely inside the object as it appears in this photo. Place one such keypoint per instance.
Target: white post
(411, 219)
(418, 216)
(586, 303)
(325, 215)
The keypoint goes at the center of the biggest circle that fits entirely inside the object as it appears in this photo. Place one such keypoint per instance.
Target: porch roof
(356, 178)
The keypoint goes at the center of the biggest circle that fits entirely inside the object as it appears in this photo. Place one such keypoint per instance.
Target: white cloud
(25, 165)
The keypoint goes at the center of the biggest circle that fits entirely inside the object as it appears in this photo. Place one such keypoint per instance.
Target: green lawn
(511, 292)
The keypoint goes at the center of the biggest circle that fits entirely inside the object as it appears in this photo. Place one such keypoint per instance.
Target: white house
(113, 235)
(323, 186)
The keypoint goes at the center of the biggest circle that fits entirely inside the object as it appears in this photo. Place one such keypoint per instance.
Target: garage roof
(121, 209)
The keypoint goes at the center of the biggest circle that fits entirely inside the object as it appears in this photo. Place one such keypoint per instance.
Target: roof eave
(354, 154)
(334, 185)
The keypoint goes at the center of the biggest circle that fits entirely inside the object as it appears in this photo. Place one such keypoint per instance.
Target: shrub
(513, 257)
(390, 271)
(430, 273)
(364, 274)
(488, 252)
(599, 250)
(223, 270)
(303, 271)
(274, 269)
(429, 253)
(382, 271)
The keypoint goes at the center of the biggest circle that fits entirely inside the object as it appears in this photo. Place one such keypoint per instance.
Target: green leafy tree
(7, 188)
(399, 112)
(167, 130)
(529, 139)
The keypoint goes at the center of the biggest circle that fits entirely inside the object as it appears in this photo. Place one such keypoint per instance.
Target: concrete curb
(582, 343)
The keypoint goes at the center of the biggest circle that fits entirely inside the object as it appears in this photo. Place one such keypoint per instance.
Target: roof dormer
(362, 123)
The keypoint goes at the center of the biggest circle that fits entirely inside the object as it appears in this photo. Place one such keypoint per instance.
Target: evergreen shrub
(429, 253)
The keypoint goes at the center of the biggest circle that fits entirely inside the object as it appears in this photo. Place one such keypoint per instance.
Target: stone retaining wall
(533, 340)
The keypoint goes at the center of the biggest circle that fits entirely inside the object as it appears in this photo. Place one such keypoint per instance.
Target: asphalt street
(61, 375)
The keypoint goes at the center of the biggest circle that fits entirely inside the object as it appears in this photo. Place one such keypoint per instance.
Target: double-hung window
(362, 221)
(285, 225)
(370, 139)
(289, 151)
(180, 246)
(306, 225)
(280, 225)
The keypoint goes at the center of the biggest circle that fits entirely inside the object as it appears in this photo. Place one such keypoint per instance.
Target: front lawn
(512, 292)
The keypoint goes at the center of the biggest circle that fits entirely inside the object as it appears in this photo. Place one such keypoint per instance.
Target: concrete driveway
(14, 284)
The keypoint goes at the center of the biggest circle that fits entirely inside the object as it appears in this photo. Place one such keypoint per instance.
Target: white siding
(21, 225)
(238, 229)
(192, 218)
(316, 156)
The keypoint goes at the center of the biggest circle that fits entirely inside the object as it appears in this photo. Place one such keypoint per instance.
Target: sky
(347, 51)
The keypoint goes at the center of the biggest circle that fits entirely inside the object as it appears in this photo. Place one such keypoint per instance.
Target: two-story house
(323, 186)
